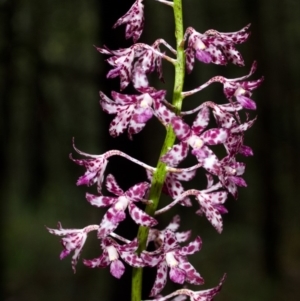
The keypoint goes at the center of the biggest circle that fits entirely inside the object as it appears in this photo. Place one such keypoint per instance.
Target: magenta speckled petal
(134, 19)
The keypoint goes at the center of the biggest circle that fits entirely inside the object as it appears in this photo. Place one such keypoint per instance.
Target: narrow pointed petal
(243, 127)
(107, 225)
(192, 247)
(132, 259)
(231, 187)
(130, 247)
(134, 19)
(137, 191)
(123, 99)
(151, 261)
(176, 154)
(140, 217)
(191, 275)
(180, 128)
(224, 119)
(238, 181)
(160, 280)
(246, 150)
(120, 122)
(138, 122)
(100, 201)
(232, 55)
(112, 185)
(139, 78)
(201, 121)
(211, 212)
(100, 262)
(170, 242)
(107, 104)
(246, 102)
(237, 37)
(214, 136)
(190, 60)
(218, 197)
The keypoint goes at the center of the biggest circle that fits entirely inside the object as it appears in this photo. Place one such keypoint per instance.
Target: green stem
(161, 172)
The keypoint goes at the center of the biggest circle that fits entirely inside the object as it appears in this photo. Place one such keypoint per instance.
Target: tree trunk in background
(37, 107)
(7, 14)
(269, 132)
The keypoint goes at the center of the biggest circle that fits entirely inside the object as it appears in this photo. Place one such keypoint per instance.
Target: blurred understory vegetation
(50, 75)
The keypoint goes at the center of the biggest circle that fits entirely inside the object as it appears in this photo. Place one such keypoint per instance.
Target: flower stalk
(161, 171)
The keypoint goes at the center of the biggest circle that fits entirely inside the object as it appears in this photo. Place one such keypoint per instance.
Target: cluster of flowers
(132, 65)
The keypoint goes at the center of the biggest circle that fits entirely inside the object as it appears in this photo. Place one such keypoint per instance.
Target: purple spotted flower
(134, 19)
(95, 167)
(112, 252)
(203, 295)
(211, 204)
(133, 111)
(73, 241)
(148, 61)
(134, 63)
(157, 236)
(229, 173)
(242, 92)
(173, 257)
(214, 47)
(116, 213)
(235, 141)
(196, 138)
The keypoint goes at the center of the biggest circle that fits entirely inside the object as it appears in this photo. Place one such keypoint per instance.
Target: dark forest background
(50, 75)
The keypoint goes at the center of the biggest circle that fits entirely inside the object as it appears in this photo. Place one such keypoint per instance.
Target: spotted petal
(73, 241)
(121, 121)
(127, 253)
(137, 192)
(191, 248)
(176, 154)
(100, 201)
(201, 121)
(140, 217)
(232, 55)
(134, 19)
(174, 188)
(110, 222)
(95, 167)
(215, 136)
(190, 60)
(209, 205)
(237, 37)
(180, 128)
(191, 275)
(100, 262)
(112, 185)
(160, 280)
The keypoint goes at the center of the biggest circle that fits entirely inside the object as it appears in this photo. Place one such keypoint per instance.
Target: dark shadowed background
(50, 75)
